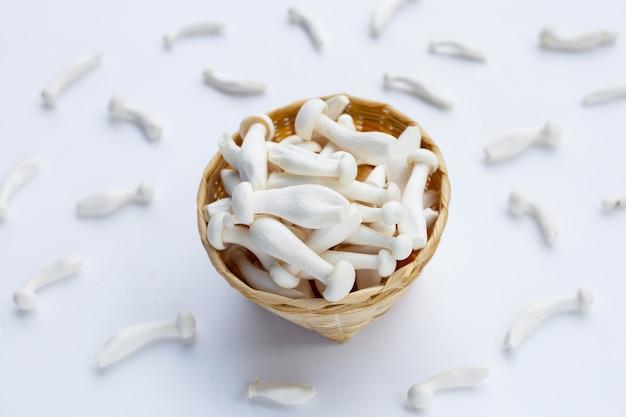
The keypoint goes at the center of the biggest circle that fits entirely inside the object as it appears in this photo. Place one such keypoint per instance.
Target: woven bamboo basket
(338, 321)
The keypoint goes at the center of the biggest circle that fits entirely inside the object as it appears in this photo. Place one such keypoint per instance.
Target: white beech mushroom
(418, 88)
(608, 93)
(69, 76)
(413, 222)
(538, 312)
(354, 190)
(252, 159)
(421, 395)
(457, 49)
(308, 205)
(131, 339)
(370, 147)
(515, 142)
(285, 393)
(26, 298)
(106, 202)
(581, 42)
(119, 110)
(518, 205)
(193, 29)
(311, 28)
(241, 87)
(295, 160)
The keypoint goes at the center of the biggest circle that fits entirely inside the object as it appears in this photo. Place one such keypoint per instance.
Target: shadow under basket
(341, 320)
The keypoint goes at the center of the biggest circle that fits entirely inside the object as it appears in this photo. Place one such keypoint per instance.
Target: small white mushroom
(309, 26)
(390, 213)
(17, 178)
(382, 262)
(419, 89)
(238, 87)
(515, 142)
(346, 120)
(398, 169)
(308, 205)
(457, 49)
(26, 298)
(400, 246)
(383, 13)
(413, 222)
(539, 311)
(581, 42)
(221, 231)
(217, 206)
(131, 339)
(372, 148)
(295, 160)
(421, 395)
(519, 205)
(355, 190)
(119, 110)
(193, 29)
(257, 278)
(252, 161)
(611, 92)
(281, 392)
(278, 241)
(106, 202)
(614, 201)
(70, 75)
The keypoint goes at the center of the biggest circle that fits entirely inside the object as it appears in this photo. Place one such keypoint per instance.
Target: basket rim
(367, 296)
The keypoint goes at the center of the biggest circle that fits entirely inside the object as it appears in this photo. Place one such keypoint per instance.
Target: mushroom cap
(585, 298)
(517, 203)
(145, 191)
(420, 396)
(391, 212)
(347, 168)
(307, 117)
(116, 105)
(423, 156)
(260, 118)
(185, 324)
(282, 277)
(340, 282)
(386, 264)
(25, 299)
(215, 229)
(551, 134)
(402, 247)
(242, 203)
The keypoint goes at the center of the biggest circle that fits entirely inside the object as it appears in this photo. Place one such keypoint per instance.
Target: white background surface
(147, 263)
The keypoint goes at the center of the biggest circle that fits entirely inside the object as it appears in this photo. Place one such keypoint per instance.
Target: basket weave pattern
(338, 321)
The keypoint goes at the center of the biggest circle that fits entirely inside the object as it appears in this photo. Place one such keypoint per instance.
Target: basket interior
(368, 116)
